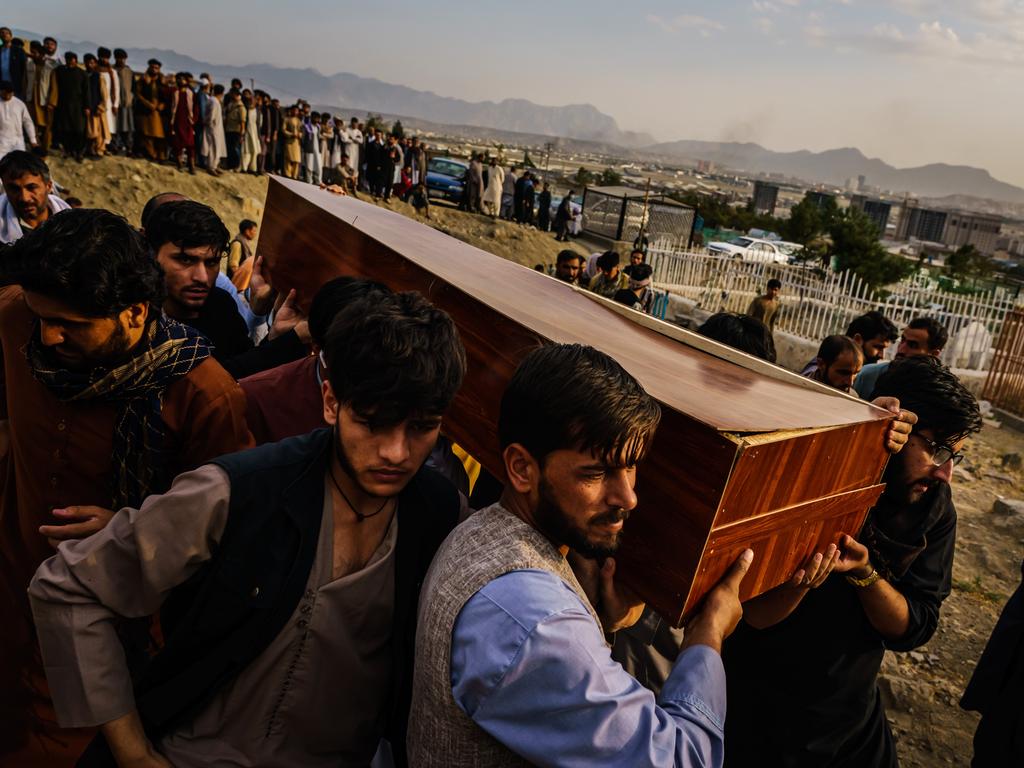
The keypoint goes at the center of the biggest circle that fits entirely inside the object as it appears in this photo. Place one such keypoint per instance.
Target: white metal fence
(816, 304)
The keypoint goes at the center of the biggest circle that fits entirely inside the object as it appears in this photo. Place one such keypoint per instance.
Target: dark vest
(220, 620)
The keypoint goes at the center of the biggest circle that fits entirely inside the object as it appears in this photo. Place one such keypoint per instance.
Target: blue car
(446, 178)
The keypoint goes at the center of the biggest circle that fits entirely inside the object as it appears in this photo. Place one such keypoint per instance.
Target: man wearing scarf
(803, 666)
(105, 401)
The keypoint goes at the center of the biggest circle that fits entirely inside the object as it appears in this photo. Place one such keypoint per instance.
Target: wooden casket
(747, 454)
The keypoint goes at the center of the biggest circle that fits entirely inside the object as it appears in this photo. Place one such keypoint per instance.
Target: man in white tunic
(495, 184)
(15, 121)
(214, 143)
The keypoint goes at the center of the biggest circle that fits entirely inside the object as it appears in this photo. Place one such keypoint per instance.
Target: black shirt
(804, 692)
(220, 322)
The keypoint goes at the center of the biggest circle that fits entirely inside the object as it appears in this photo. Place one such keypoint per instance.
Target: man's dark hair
(5, 86)
(103, 53)
(218, 89)
(834, 346)
(872, 325)
(48, 39)
(70, 56)
(92, 260)
(187, 224)
(640, 251)
(937, 333)
(742, 332)
(932, 391)
(245, 224)
(20, 163)
(607, 260)
(332, 297)
(154, 63)
(88, 57)
(155, 202)
(774, 283)
(573, 397)
(395, 355)
(120, 53)
(567, 255)
(641, 272)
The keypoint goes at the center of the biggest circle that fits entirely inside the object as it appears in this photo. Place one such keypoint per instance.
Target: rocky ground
(922, 688)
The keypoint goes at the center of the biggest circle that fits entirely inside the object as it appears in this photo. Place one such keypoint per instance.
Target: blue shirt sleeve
(530, 666)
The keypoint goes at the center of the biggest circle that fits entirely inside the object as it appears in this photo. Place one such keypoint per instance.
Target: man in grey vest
(512, 666)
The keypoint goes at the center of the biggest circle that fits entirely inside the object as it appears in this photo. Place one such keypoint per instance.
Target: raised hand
(721, 611)
(901, 427)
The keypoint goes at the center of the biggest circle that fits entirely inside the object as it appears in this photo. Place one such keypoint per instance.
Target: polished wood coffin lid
(717, 403)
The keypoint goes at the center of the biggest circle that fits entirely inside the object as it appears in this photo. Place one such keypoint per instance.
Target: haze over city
(912, 81)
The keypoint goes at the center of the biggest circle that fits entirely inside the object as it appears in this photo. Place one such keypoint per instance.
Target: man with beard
(922, 336)
(512, 667)
(873, 332)
(188, 241)
(286, 577)
(104, 401)
(838, 362)
(28, 200)
(803, 666)
(567, 266)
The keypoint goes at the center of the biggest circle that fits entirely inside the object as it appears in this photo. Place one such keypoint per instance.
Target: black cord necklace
(359, 515)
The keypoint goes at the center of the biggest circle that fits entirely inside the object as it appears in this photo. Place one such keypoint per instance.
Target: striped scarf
(168, 352)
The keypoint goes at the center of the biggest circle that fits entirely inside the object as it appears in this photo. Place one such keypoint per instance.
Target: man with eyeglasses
(803, 665)
(922, 336)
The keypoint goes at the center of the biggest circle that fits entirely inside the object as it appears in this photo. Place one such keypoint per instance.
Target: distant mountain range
(348, 92)
(835, 166)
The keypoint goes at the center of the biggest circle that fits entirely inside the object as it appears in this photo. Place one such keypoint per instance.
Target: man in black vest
(286, 577)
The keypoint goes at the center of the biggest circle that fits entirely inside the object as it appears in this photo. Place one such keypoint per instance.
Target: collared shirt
(530, 666)
(866, 380)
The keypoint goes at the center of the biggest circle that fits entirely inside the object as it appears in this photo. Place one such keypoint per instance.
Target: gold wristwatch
(867, 581)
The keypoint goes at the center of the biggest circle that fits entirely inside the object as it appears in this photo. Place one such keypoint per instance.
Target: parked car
(446, 177)
(752, 249)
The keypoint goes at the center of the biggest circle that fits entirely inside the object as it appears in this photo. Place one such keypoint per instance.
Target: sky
(909, 81)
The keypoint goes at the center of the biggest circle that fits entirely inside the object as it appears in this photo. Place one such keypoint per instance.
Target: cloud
(702, 24)
(764, 25)
(765, 6)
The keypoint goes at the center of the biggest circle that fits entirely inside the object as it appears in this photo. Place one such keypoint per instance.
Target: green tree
(609, 178)
(583, 178)
(855, 247)
(527, 161)
(398, 130)
(373, 122)
(968, 262)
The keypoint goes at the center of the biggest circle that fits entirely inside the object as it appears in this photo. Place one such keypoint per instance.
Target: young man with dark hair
(812, 648)
(286, 400)
(874, 332)
(609, 278)
(286, 577)
(240, 249)
(125, 122)
(28, 200)
(639, 295)
(567, 267)
(922, 336)
(105, 400)
(511, 661)
(188, 239)
(742, 332)
(838, 362)
(636, 258)
(12, 62)
(766, 308)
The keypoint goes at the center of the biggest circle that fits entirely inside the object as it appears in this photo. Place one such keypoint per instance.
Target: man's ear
(331, 404)
(522, 469)
(137, 314)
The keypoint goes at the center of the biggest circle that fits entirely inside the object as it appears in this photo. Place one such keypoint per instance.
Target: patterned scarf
(896, 534)
(168, 352)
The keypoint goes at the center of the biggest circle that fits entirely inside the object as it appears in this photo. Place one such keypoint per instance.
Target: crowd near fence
(1004, 387)
(817, 303)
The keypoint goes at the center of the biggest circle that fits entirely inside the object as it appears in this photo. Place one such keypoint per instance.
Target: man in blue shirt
(512, 665)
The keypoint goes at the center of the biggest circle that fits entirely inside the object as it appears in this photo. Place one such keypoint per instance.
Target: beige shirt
(314, 697)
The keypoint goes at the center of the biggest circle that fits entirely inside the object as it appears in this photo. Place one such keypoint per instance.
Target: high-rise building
(820, 199)
(876, 210)
(862, 182)
(765, 198)
(951, 228)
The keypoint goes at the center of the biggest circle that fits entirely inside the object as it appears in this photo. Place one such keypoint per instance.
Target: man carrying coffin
(512, 667)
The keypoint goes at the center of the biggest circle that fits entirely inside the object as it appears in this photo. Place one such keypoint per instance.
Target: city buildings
(765, 197)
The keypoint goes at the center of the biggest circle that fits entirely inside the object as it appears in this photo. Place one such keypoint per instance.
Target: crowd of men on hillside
(234, 533)
(99, 105)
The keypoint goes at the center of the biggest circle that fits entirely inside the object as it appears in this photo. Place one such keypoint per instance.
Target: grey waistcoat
(489, 544)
